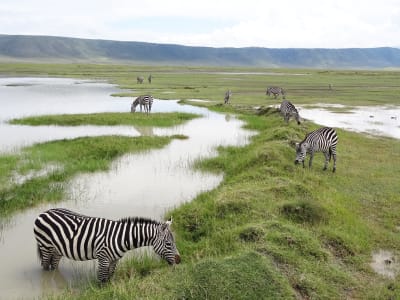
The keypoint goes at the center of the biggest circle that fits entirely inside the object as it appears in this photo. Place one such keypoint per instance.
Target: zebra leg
(103, 274)
(327, 159)
(311, 158)
(55, 259)
(45, 256)
(334, 162)
(112, 267)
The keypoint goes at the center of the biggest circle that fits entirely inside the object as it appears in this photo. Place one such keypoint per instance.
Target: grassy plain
(271, 230)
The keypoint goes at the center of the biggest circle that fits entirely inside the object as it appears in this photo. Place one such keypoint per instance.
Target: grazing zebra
(145, 101)
(61, 232)
(288, 110)
(139, 79)
(228, 95)
(275, 91)
(321, 140)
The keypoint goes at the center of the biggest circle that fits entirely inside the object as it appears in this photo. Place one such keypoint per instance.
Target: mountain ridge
(67, 49)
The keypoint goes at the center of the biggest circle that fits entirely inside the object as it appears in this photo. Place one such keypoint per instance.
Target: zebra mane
(138, 220)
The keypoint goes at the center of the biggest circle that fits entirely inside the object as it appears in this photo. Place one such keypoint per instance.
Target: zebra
(139, 79)
(288, 110)
(275, 91)
(228, 95)
(321, 140)
(60, 232)
(145, 101)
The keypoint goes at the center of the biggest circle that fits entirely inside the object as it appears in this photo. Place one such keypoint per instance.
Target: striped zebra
(61, 232)
(321, 140)
(145, 101)
(228, 95)
(275, 91)
(139, 79)
(288, 110)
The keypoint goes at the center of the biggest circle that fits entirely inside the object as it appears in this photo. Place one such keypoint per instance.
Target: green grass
(271, 230)
(110, 119)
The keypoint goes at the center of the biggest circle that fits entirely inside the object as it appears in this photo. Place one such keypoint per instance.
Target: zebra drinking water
(145, 101)
(228, 95)
(288, 110)
(276, 91)
(61, 232)
(321, 140)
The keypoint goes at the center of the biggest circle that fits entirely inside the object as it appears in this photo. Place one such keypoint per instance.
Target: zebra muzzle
(177, 258)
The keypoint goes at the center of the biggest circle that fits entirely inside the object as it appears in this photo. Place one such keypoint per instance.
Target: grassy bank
(271, 230)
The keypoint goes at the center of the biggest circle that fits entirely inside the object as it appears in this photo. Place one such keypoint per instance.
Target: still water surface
(145, 184)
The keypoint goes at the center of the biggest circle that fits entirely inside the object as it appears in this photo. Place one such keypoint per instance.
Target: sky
(215, 23)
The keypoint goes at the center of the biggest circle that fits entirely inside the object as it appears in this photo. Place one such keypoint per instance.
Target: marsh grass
(88, 154)
(108, 119)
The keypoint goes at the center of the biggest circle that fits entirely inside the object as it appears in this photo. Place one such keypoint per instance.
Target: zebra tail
(330, 154)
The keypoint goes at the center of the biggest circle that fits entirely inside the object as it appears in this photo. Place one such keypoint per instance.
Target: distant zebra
(288, 110)
(145, 101)
(321, 140)
(275, 91)
(228, 95)
(61, 232)
(139, 79)
(150, 78)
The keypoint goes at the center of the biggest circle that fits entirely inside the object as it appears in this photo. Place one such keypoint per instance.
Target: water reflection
(145, 184)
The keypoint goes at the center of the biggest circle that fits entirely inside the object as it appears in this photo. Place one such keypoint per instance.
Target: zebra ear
(169, 222)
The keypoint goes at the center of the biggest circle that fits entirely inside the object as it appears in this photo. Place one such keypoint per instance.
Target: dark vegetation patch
(305, 212)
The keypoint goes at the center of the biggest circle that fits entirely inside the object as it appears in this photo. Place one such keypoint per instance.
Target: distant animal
(228, 95)
(61, 232)
(150, 78)
(321, 140)
(139, 79)
(145, 101)
(288, 110)
(276, 91)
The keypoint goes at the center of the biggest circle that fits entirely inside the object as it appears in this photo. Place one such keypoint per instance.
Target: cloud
(286, 23)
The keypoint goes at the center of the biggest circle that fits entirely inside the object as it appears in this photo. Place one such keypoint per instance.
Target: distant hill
(61, 49)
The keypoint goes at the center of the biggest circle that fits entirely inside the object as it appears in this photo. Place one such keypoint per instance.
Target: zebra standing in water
(275, 91)
(145, 101)
(321, 140)
(61, 232)
(288, 110)
(228, 95)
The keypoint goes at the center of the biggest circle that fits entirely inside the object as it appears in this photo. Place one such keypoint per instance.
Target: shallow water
(146, 184)
(375, 120)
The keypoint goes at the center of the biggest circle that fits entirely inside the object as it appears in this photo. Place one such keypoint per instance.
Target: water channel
(145, 184)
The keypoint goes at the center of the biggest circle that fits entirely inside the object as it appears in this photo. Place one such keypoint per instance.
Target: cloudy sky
(216, 23)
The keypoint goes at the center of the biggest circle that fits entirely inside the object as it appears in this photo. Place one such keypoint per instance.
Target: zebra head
(301, 150)
(164, 244)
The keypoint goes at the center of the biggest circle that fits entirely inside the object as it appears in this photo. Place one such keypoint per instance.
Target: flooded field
(147, 184)
(382, 120)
